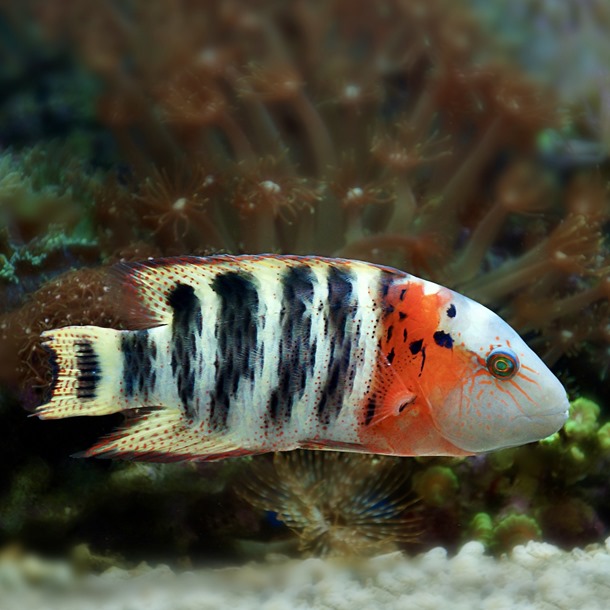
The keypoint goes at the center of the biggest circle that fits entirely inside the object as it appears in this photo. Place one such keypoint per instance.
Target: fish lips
(544, 424)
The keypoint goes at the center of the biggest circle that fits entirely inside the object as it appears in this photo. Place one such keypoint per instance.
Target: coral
(553, 490)
(179, 210)
(583, 419)
(436, 486)
(603, 438)
(513, 530)
(481, 529)
(336, 504)
(571, 520)
(77, 297)
(46, 196)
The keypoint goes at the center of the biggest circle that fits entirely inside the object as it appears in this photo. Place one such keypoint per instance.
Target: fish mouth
(547, 414)
(550, 421)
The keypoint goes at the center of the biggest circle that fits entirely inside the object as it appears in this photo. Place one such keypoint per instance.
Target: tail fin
(85, 366)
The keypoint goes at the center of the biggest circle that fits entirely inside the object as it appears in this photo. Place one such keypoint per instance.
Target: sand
(537, 575)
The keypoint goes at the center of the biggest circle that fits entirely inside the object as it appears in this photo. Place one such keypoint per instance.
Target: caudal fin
(85, 365)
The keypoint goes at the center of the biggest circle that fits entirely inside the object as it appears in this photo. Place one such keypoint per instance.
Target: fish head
(485, 387)
(456, 379)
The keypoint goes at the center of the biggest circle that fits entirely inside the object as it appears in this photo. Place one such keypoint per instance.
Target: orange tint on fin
(325, 445)
(164, 435)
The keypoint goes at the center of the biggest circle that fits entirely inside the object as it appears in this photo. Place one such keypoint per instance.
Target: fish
(241, 355)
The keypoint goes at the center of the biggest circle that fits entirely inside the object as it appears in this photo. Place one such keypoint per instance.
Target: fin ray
(164, 435)
(81, 357)
(393, 393)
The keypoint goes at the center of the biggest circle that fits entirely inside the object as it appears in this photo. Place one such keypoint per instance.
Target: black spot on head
(402, 315)
(391, 356)
(443, 339)
(389, 334)
(423, 360)
(451, 311)
(415, 346)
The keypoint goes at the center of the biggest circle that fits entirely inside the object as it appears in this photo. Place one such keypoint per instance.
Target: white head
(494, 391)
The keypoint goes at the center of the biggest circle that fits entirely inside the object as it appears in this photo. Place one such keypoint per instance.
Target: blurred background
(464, 141)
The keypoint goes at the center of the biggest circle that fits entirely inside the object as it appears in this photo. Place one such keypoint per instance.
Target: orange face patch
(418, 364)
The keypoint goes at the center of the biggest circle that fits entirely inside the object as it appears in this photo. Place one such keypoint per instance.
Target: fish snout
(551, 420)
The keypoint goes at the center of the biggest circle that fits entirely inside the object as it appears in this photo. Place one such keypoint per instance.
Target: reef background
(463, 141)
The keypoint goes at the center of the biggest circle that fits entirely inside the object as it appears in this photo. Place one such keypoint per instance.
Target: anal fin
(164, 435)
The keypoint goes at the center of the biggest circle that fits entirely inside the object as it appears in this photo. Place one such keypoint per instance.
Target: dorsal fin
(145, 288)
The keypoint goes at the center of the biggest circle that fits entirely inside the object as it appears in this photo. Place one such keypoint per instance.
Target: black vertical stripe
(88, 370)
(297, 353)
(369, 413)
(237, 334)
(386, 279)
(339, 295)
(186, 329)
(340, 314)
(138, 362)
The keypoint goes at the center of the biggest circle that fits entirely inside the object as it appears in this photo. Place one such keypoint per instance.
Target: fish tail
(87, 380)
(83, 359)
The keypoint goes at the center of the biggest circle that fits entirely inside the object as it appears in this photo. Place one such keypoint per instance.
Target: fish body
(238, 355)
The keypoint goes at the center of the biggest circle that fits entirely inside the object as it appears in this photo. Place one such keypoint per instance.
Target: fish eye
(502, 363)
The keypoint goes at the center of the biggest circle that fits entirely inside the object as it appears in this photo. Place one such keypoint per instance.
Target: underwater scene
(304, 304)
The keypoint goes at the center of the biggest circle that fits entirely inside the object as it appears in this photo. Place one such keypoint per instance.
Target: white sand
(533, 576)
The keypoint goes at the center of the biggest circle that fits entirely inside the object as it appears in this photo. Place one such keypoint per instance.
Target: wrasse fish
(239, 355)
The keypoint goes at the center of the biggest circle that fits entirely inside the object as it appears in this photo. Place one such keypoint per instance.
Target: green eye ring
(502, 363)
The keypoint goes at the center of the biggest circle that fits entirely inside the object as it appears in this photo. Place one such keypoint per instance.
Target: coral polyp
(179, 209)
(515, 529)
